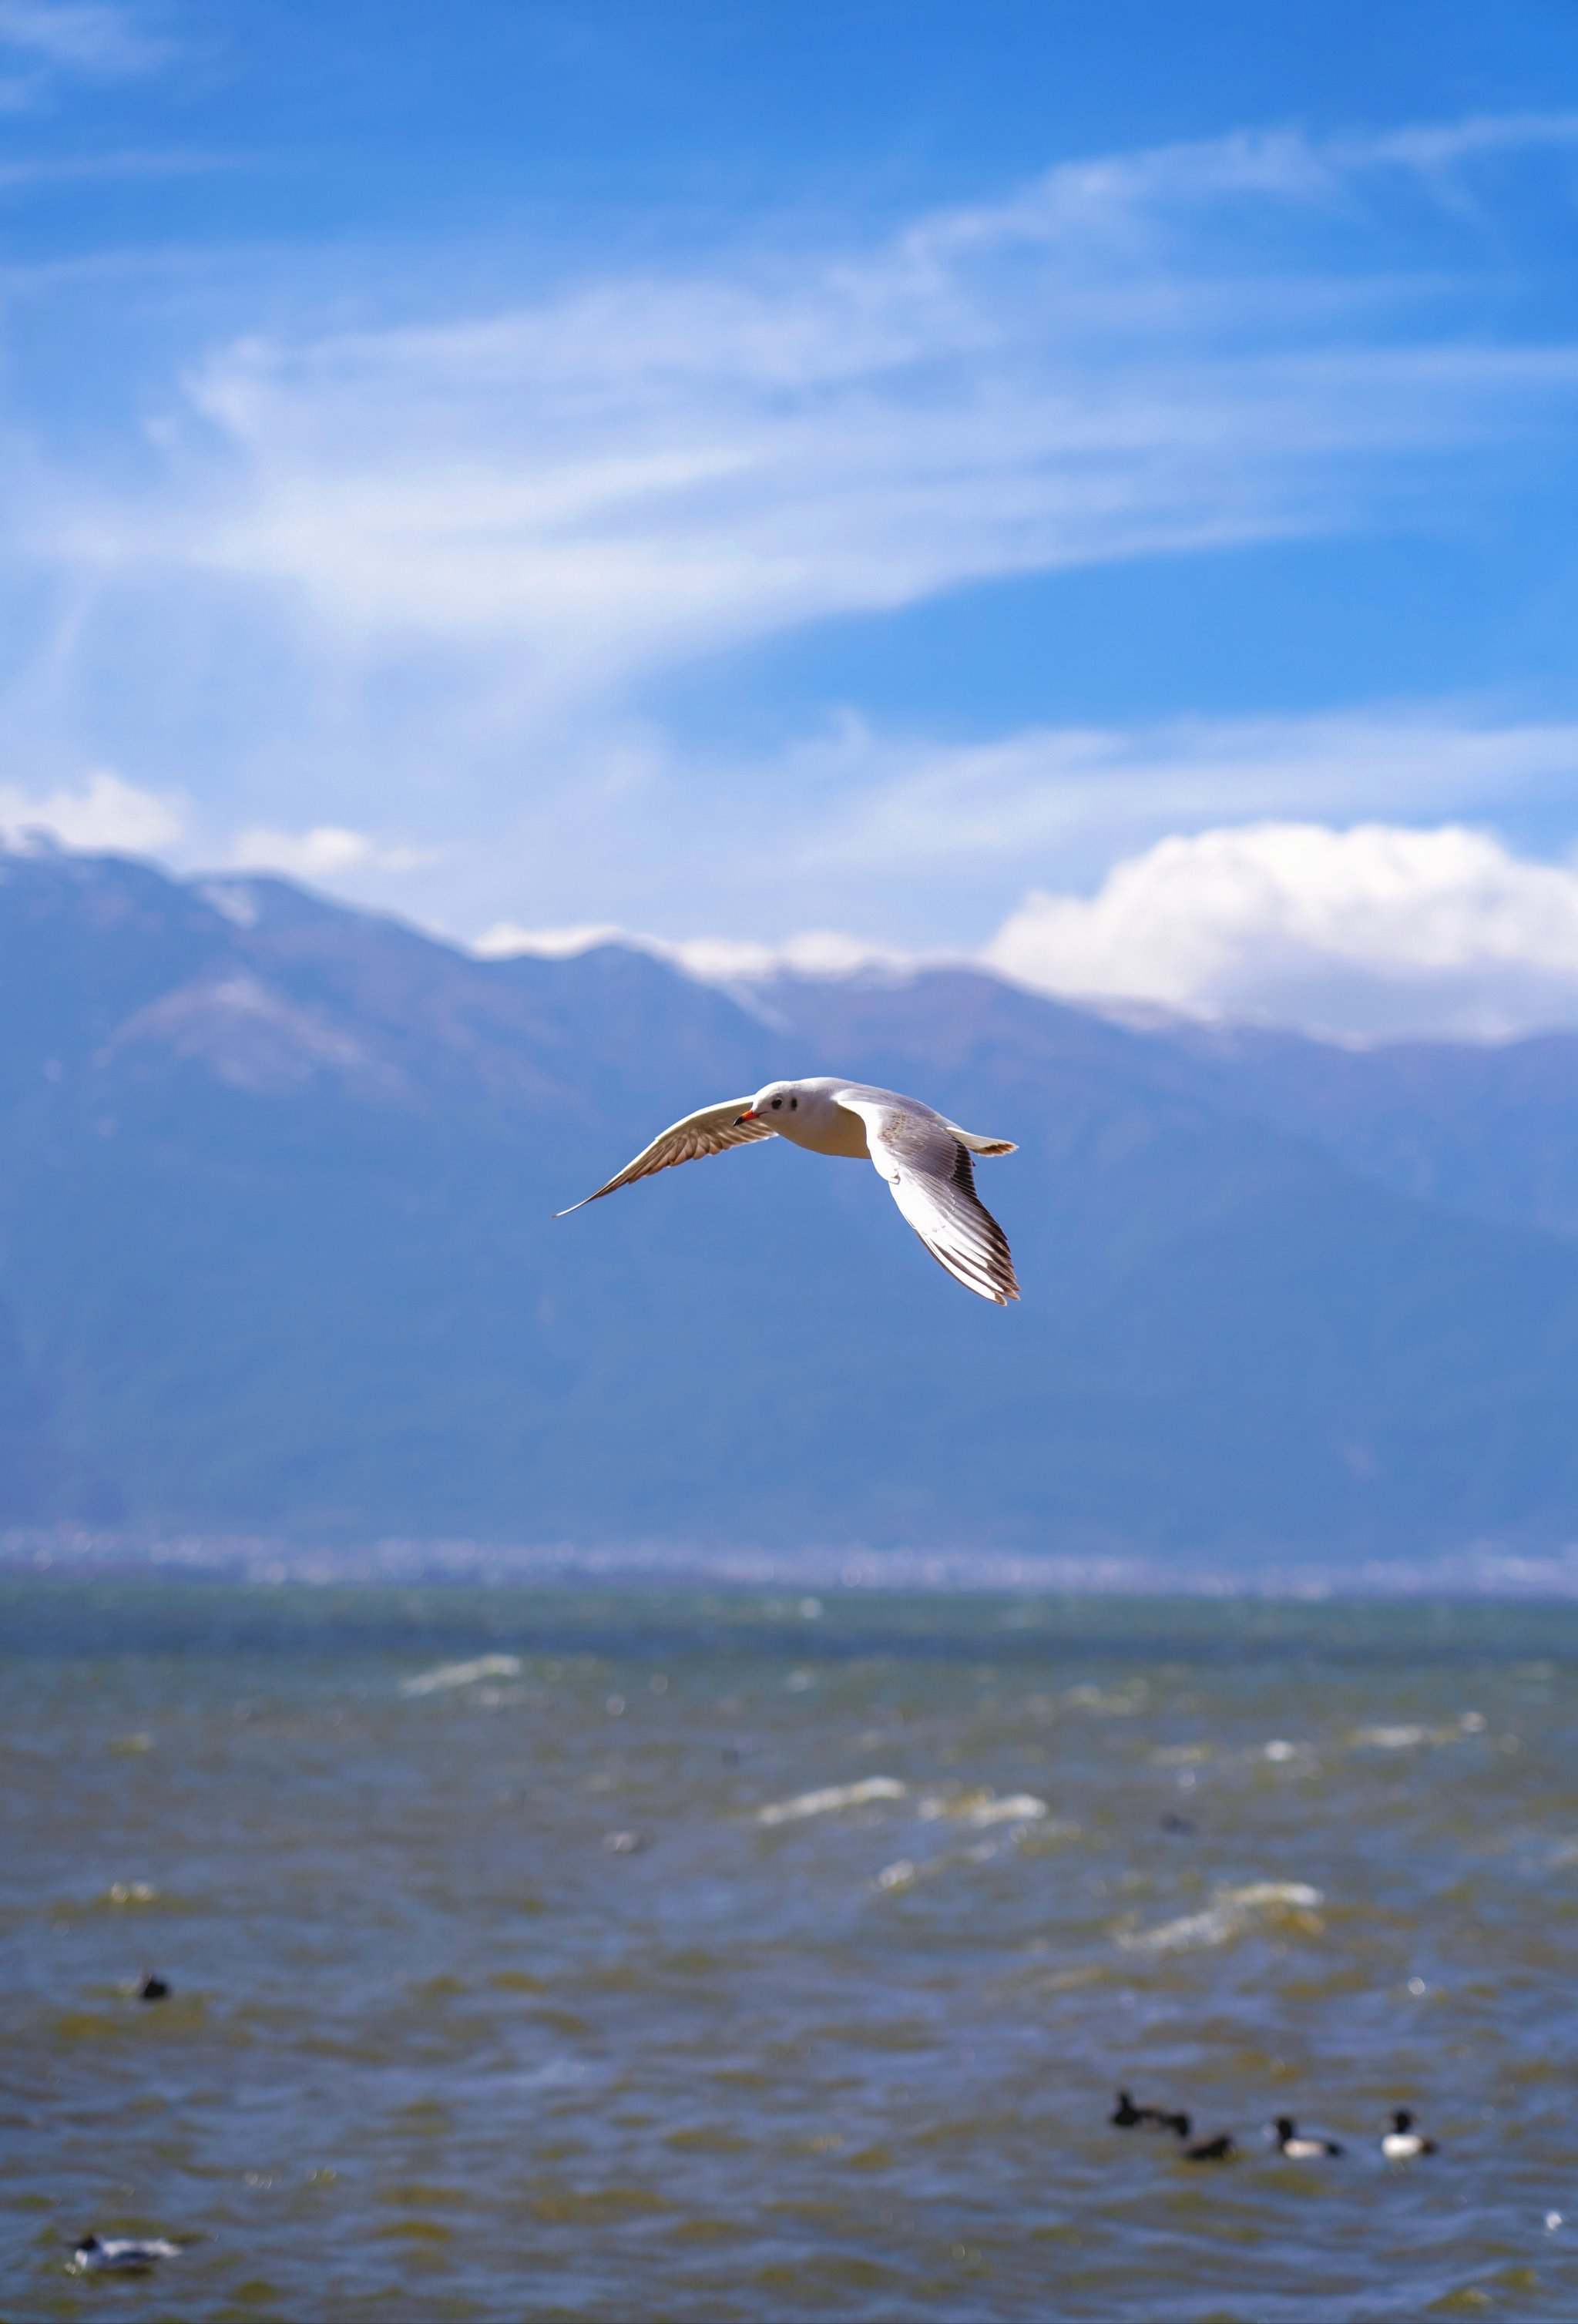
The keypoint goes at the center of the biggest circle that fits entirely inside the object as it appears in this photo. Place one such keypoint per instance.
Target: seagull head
(771, 1103)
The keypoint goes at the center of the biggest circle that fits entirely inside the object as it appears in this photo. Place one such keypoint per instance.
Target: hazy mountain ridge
(276, 1250)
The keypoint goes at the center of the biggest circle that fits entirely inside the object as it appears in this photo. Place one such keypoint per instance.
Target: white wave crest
(835, 1795)
(1233, 1913)
(985, 1808)
(448, 1674)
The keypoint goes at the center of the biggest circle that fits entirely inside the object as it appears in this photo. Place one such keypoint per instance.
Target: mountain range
(278, 1254)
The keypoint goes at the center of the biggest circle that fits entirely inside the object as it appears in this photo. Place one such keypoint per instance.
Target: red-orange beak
(749, 1115)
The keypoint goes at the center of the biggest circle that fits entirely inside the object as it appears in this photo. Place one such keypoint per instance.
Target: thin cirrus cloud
(1107, 363)
(1055, 791)
(73, 36)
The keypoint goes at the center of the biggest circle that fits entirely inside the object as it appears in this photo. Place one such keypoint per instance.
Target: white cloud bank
(327, 851)
(1373, 932)
(1370, 933)
(106, 815)
(714, 960)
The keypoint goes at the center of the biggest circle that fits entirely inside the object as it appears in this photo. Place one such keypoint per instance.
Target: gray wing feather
(712, 1130)
(932, 1178)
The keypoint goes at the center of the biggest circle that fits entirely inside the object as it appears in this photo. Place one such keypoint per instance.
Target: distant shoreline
(1489, 1572)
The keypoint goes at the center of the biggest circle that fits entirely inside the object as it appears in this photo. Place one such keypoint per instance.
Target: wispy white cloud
(416, 578)
(1107, 363)
(905, 839)
(74, 168)
(74, 36)
(1370, 931)
(897, 801)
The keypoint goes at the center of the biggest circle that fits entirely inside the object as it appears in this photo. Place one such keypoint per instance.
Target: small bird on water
(1220, 2149)
(1127, 2115)
(926, 1160)
(121, 2255)
(1284, 2131)
(1402, 2142)
(152, 1987)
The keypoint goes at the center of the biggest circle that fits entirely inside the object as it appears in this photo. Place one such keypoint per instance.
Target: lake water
(699, 1955)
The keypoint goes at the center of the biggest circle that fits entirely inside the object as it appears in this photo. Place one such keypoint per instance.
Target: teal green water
(709, 1956)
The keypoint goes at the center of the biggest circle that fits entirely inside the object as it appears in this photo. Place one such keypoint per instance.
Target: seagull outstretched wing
(931, 1174)
(712, 1131)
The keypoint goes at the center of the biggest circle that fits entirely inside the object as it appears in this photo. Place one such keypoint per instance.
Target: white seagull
(926, 1159)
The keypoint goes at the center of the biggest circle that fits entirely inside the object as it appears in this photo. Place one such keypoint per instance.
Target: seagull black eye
(776, 1104)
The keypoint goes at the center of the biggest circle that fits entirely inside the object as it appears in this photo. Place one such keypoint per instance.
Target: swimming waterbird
(928, 1161)
(1220, 2149)
(1298, 2149)
(1402, 2142)
(152, 1988)
(1127, 2115)
(121, 2255)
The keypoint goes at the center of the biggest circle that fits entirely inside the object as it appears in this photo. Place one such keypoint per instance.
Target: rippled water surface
(704, 1956)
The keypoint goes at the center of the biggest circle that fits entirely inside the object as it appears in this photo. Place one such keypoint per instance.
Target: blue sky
(737, 474)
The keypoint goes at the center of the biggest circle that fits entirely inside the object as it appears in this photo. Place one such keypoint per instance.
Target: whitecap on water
(983, 1807)
(835, 1795)
(1408, 1738)
(901, 1875)
(448, 1674)
(1232, 1914)
(1111, 1702)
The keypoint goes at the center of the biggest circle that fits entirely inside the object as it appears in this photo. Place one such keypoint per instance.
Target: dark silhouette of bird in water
(1220, 2149)
(1127, 2115)
(152, 1988)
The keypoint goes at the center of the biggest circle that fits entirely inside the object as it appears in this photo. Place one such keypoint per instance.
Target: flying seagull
(926, 1160)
